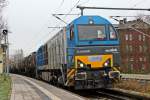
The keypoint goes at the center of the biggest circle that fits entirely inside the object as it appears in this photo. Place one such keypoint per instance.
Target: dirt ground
(135, 85)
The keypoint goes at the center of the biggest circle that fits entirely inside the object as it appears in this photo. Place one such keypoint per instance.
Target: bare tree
(3, 24)
(145, 18)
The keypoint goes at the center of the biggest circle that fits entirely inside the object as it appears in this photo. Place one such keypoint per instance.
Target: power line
(62, 2)
(75, 5)
(65, 14)
(59, 18)
(128, 16)
(85, 2)
(139, 3)
(110, 8)
(55, 27)
(135, 4)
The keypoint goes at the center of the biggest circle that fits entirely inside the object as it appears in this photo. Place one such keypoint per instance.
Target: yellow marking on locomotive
(115, 69)
(70, 77)
(70, 73)
(100, 60)
(69, 70)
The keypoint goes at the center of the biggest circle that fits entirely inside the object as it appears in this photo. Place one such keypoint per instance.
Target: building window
(144, 59)
(130, 37)
(144, 48)
(127, 48)
(131, 59)
(131, 65)
(140, 48)
(143, 67)
(143, 37)
(140, 37)
(127, 60)
(130, 48)
(126, 37)
(140, 59)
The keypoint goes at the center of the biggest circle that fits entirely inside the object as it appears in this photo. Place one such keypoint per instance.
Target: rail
(136, 76)
(121, 94)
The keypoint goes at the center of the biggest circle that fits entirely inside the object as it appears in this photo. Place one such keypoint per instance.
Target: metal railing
(136, 76)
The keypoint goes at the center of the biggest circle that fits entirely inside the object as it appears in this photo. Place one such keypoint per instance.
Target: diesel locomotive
(84, 55)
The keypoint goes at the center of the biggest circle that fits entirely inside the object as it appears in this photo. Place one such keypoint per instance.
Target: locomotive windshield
(112, 34)
(91, 32)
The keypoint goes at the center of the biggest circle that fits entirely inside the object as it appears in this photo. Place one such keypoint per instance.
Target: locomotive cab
(94, 53)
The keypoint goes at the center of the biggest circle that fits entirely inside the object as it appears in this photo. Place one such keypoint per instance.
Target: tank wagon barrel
(26, 66)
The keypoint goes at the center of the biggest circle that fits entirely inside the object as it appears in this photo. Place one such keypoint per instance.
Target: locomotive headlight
(91, 22)
(81, 65)
(106, 64)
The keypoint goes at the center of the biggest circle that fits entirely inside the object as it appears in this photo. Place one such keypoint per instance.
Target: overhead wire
(142, 16)
(75, 5)
(140, 2)
(68, 13)
(34, 36)
(84, 2)
(61, 4)
(137, 3)
(138, 23)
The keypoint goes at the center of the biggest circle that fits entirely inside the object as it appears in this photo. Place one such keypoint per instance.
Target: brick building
(135, 46)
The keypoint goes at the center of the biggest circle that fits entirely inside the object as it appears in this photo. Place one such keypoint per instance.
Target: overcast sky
(29, 19)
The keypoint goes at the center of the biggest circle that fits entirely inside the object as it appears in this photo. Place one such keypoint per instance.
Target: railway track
(121, 95)
(136, 76)
(110, 94)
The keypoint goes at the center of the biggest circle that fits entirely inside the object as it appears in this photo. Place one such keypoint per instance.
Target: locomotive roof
(85, 20)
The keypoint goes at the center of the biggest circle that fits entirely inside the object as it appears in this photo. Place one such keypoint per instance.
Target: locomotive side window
(112, 33)
(91, 32)
(71, 32)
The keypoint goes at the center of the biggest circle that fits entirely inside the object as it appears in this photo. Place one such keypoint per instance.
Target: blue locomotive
(85, 55)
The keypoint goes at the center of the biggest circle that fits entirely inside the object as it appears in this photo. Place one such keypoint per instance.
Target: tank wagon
(25, 66)
(85, 55)
(30, 67)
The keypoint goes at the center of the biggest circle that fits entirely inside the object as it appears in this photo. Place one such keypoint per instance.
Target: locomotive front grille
(114, 74)
(93, 61)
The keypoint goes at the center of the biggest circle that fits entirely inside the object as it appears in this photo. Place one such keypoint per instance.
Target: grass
(5, 87)
(143, 87)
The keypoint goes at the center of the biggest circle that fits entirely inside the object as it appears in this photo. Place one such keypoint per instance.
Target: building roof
(138, 24)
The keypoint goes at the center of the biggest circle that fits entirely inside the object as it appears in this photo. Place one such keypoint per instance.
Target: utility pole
(109, 8)
(59, 18)
(6, 50)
